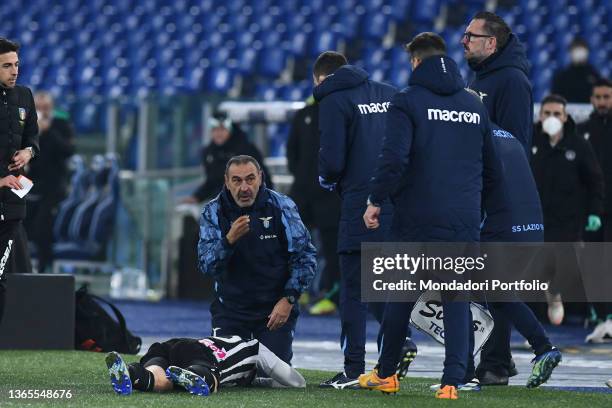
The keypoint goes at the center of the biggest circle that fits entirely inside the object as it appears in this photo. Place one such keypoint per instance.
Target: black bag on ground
(96, 330)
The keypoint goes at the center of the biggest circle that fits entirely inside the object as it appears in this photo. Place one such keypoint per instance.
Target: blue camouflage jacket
(275, 258)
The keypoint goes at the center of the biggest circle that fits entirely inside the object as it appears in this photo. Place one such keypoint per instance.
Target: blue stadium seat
(265, 92)
(323, 41)
(92, 222)
(425, 11)
(79, 184)
(375, 26)
(104, 48)
(271, 62)
(219, 79)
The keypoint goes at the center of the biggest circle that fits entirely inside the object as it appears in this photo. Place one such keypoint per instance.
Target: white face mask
(579, 55)
(552, 125)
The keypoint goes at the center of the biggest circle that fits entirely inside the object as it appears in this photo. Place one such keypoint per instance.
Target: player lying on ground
(201, 366)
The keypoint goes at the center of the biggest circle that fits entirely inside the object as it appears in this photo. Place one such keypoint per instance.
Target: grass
(85, 375)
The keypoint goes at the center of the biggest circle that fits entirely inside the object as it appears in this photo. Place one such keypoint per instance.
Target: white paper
(26, 185)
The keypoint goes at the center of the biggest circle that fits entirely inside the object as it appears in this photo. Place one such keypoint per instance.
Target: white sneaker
(473, 385)
(601, 334)
(556, 312)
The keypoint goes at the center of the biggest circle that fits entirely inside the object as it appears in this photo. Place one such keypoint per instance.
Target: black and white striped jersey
(236, 358)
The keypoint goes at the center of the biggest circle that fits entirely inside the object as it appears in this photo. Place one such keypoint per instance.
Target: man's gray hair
(242, 159)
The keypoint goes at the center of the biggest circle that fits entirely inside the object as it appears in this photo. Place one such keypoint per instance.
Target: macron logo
(365, 108)
(453, 116)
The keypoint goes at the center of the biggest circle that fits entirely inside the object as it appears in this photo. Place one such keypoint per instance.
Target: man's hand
(279, 314)
(20, 159)
(239, 228)
(10, 181)
(370, 217)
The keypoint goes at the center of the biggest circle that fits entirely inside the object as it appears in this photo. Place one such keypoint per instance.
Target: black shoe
(341, 382)
(490, 378)
(409, 353)
(512, 371)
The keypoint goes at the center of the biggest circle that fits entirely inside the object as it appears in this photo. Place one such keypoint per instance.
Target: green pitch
(84, 374)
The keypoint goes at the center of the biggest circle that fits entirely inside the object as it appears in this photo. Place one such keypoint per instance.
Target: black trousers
(9, 233)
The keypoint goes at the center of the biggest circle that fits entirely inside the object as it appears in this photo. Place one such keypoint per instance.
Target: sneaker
(556, 312)
(409, 353)
(372, 381)
(192, 382)
(323, 307)
(447, 392)
(341, 382)
(601, 334)
(304, 300)
(544, 364)
(119, 373)
(472, 385)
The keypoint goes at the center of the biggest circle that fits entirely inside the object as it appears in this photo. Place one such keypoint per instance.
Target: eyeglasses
(468, 36)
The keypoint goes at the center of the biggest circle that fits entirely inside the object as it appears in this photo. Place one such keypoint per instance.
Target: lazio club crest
(266, 221)
(22, 114)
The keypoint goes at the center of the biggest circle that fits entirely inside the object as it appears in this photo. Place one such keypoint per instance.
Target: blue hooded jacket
(503, 84)
(352, 111)
(275, 258)
(436, 153)
(513, 212)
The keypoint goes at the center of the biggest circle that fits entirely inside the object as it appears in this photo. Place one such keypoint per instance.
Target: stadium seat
(107, 46)
(92, 222)
(271, 62)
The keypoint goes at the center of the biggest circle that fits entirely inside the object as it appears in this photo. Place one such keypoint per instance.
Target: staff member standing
(319, 208)
(570, 182)
(501, 69)
(352, 111)
(598, 131)
(436, 159)
(18, 145)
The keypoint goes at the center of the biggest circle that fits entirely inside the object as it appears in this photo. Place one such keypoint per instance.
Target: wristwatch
(291, 299)
(31, 150)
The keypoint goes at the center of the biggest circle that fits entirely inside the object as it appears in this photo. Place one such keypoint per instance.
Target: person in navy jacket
(255, 246)
(516, 216)
(352, 110)
(436, 159)
(501, 69)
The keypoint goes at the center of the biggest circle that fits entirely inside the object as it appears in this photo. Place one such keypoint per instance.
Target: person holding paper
(18, 145)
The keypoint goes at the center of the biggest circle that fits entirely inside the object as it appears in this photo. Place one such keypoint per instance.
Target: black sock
(142, 379)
